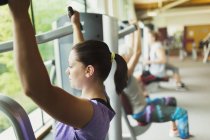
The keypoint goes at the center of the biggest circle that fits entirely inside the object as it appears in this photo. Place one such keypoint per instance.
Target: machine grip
(71, 12)
(3, 2)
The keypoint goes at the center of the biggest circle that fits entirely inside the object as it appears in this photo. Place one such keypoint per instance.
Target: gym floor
(196, 100)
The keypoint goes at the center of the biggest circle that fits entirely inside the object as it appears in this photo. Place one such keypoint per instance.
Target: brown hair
(97, 54)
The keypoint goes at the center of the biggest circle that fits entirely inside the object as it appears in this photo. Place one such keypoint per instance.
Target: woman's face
(75, 71)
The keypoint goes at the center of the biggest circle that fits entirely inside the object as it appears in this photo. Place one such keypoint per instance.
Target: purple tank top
(96, 128)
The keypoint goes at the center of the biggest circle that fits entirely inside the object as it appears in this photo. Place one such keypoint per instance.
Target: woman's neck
(95, 91)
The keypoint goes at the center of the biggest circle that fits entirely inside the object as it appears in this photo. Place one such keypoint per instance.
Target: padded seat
(127, 110)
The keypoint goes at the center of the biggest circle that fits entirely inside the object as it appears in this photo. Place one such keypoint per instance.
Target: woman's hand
(75, 18)
(19, 8)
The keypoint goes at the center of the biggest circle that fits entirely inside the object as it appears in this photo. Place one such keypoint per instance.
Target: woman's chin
(74, 87)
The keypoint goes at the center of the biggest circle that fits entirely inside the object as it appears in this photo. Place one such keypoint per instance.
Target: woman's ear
(89, 71)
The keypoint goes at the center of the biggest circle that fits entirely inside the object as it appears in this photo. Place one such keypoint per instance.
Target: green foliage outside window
(45, 12)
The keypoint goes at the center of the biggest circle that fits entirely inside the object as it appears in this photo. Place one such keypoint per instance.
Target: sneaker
(173, 133)
(181, 87)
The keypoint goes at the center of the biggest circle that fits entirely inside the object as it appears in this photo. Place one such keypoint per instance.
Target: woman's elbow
(32, 92)
(28, 92)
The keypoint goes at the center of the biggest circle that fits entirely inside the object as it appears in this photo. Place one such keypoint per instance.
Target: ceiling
(154, 4)
(145, 6)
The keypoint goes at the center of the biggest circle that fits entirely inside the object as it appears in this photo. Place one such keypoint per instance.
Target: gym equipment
(71, 12)
(3, 2)
(105, 29)
(18, 117)
(98, 27)
(194, 51)
(126, 111)
(206, 48)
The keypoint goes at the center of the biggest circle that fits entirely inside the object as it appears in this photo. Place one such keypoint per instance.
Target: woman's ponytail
(121, 74)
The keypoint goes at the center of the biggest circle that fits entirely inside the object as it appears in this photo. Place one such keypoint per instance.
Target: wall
(183, 16)
(121, 9)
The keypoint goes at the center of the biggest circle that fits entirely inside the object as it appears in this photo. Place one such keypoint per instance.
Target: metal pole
(58, 33)
(18, 117)
(110, 33)
(42, 38)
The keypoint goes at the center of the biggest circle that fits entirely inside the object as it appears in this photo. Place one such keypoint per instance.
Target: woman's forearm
(77, 34)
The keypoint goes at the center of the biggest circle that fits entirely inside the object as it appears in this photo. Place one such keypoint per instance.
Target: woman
(158, 64)
(156, 61)
(79, 118)
(152, 110)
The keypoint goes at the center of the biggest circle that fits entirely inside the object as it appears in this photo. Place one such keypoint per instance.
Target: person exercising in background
(180, 86)
(157, 64)
(151, 110)
(79, 118)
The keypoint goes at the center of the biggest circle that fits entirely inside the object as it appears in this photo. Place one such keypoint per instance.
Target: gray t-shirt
(135, 95)
(157, 70)
(95, 129)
